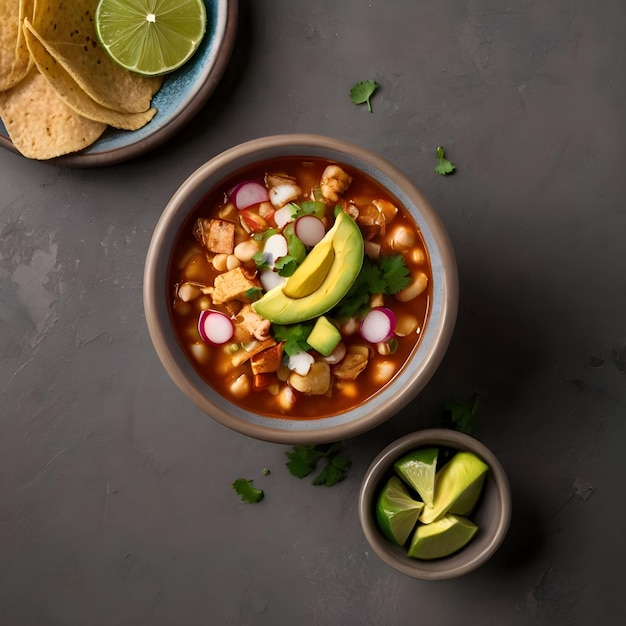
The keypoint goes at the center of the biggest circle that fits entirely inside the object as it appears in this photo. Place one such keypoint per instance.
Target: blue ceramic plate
(182, 95)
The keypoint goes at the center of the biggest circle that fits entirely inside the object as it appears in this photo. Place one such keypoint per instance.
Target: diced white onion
(300, 363)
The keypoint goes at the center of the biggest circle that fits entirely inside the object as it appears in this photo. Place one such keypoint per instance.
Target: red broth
(193, 270)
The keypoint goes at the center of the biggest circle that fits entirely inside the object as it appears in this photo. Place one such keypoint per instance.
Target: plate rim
(225, 45)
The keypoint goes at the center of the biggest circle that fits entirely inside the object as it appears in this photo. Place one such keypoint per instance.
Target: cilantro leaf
(388, 275)
(463, 416)
(363, 91)
(329, 476)
(354, 303)
(313, 207)
(294, 336)
(295, 247)
(341, 462)
(261, 260)
(247, 491)
(265, 234)
(286, 265)
(254, 293)
(443, 165)
(303, 461)
(394, 273)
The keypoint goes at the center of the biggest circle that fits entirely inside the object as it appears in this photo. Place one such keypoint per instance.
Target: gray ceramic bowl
(435, 337)
(492, 515)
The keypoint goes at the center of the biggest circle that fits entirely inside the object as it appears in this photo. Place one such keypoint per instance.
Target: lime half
(150, 36)
(418, 469)
(441, 538)
(396, 511)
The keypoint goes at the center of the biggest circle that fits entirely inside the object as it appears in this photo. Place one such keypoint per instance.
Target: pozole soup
(299, 288)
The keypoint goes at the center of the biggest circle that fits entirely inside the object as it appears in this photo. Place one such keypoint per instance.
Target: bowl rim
(406, 385)
(436, 569)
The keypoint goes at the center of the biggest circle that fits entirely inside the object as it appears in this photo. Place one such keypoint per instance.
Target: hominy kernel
(418, 286)
(232, 262)
(384, 372)
(200, 352)
(219, 262)
(405, 325)
(418, 256)
(241, 386)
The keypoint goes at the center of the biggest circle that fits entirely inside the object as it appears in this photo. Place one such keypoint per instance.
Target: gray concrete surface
(115, 498)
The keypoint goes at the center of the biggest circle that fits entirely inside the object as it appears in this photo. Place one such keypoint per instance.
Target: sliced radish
(215, 327)
(284, 215)
(275, 247)
(378, 325)
(248, 194)
(270, 279)
(309, 229)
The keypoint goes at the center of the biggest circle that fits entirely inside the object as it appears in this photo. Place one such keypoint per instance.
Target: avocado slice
(312, 271)
(347, 259)
(458, 485)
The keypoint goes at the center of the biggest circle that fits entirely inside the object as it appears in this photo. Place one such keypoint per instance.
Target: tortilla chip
(39, 124)
(9, 29)
(70, 92)
(15, 61)
(67, 31)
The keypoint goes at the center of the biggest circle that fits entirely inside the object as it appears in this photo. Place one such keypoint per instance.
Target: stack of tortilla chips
(59, 90)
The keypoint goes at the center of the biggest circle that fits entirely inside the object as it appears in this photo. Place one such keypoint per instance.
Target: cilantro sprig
(463, 415)
(443, 166)
(388, 276)
(261, 260)
(363, 91)
(254, 293)
(304, 460)
(286, 265)
(294, 336)
(247, 491)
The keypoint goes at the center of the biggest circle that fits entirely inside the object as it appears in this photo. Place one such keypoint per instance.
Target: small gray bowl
(404, 387)
(492, 516)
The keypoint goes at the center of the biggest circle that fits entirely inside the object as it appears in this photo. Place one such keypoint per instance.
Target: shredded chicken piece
(216, 235)
(245, 354)
(268, 360)
(351, 209)
(273, 180)
(316, 382)
(374, 217)
(334, 182)
(233, 285)
(283, 194)
(351, 366)
(258, 326)
(282, 189)
(388, 210)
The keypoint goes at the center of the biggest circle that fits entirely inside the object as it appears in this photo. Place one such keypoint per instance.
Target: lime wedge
(396, 511)
(150, 36)
(418, 469)
(441, 538)
(458, 485)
